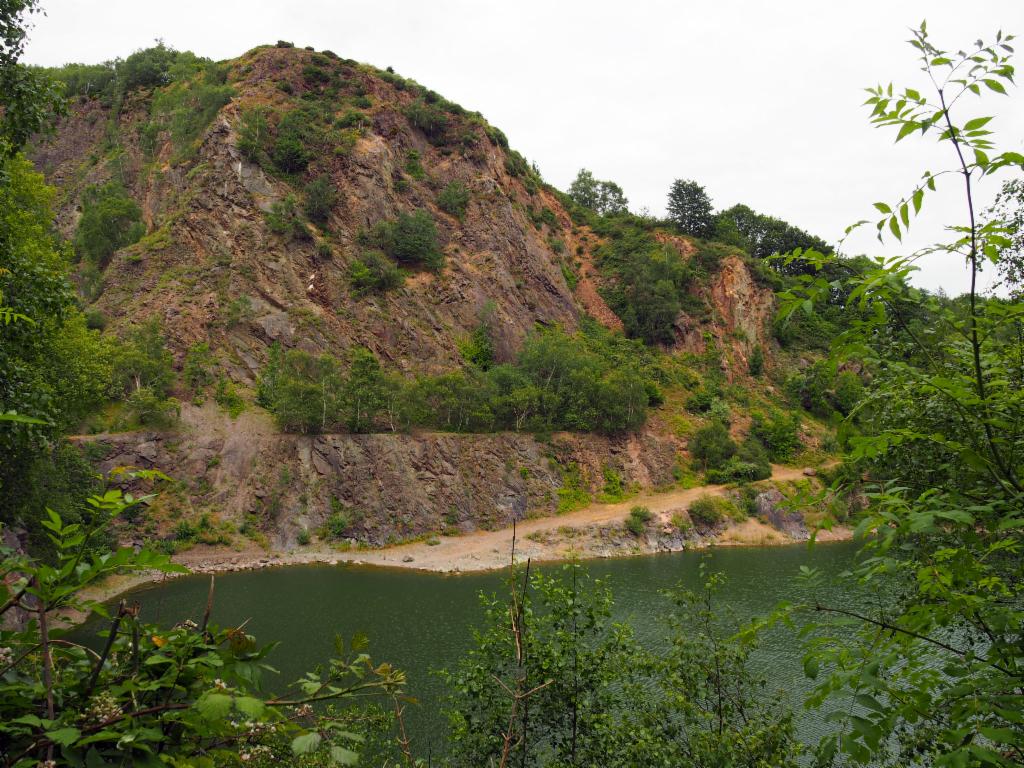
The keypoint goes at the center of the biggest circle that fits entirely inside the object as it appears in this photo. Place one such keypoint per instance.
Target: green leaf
(996, 86)
(343, 756)
(905, 215)
(918, 197)
(894, 227)
(64, 736)
(306, 743)
(214, 706)
(882, 207)
(811, 666)
(908, 128)
(250, 706)
(869, 702)
(976, 123)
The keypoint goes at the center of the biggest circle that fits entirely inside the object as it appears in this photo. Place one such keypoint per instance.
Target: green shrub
(352, 118)
(228, 398)
(478, 349)
(337, 526)
(637, 521)
(142, 361)
(779, 433)
(647, 283)
(303, 538)
(707, 511)
(238, 310)
(95, 320)
(253, 134)
(373, 272)
(712, 446)
(409, 239)
(702, 400)
(290, 153)
(572, 495)
(110, 220)
(755, 366)
(681, 522)
(454, 199)
(150, 409)
(320, 198)
(413, 166)
(431, 120)
(283, 219)
(198, 366)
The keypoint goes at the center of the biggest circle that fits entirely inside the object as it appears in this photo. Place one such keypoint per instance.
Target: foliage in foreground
(933, 673)
(147, 695)
(554, 682)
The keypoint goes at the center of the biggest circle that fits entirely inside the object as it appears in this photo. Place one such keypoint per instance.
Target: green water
(421, 622)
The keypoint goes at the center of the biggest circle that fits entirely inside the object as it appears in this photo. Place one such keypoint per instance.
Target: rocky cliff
(212, 270)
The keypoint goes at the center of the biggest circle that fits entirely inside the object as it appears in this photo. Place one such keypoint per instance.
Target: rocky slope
(212, 271)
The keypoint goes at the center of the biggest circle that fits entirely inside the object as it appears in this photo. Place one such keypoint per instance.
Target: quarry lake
(422, 622)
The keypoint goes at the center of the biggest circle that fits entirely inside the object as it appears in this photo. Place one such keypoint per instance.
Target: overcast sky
(758, 101)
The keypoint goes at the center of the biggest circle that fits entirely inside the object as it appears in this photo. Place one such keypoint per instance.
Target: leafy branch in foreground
(188, 695)
(932, 672)
(553, 681)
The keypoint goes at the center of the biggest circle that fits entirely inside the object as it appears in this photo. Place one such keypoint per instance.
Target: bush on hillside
(755, 365)
(253, 134)
(283, 219)
(110, 220)
(648, 280)
(320, 198)
(712, 446)
(454, 199)
(290, 153)
(778, 432)
(708, 511)
(637, 521)
(409, 239)
(428, 118)
(373, 272)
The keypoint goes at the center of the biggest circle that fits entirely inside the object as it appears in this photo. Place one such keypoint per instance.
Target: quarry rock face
(212, 271)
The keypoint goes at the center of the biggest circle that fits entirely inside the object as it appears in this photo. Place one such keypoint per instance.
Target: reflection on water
(421, 622)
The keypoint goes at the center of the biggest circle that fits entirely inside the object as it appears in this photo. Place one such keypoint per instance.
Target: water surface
(422, 621)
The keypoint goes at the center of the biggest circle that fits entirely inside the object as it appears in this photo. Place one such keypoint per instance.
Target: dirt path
(542, 539)
(487, 550)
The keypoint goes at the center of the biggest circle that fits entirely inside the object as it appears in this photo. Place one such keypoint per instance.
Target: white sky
(758, 101)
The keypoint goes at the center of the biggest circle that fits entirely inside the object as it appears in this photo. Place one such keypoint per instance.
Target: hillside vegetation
(342, 248)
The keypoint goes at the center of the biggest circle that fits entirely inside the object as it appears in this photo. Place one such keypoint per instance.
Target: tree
(110, 220)
(53, 369)
(604, 197)
(552, 681)
(320, 198)
(31, 98)
(712, 446)
(362, 395)
(650, 279)
(932, 676)
(409, 239)
(689, 208)
(373, 272)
